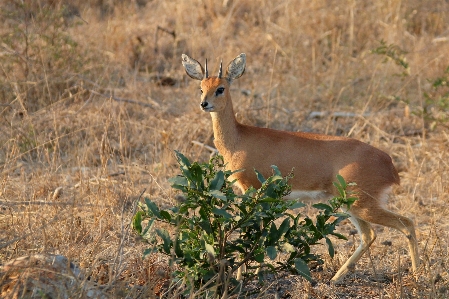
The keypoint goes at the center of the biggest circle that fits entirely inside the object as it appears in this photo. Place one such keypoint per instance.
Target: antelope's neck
(225, 130)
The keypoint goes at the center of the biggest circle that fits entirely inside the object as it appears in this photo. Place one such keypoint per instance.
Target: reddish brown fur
(316, 160)
(356, 161)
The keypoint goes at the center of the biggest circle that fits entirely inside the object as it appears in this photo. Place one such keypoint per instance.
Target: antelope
(316, 159)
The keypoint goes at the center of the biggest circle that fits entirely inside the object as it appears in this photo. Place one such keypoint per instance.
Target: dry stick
(266, 288)
(431, 247)
(50, 203)
(156, 36)
(375, 272)
(172, 288)
(400, 276)
(206, 285)
(116, 174)
(209, 148)
(85, 103)
(372, 263)
(103, 179)
(320, 114)
(120, 99)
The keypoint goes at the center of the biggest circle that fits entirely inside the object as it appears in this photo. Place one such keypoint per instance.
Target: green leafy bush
(394, 53)
(215, 231)
(435, 109)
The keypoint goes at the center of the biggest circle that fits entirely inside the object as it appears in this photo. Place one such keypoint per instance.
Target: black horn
(206, 74)
(220, 71)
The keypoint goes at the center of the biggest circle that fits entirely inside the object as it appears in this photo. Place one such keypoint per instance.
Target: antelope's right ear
(193, 67)
(236, 67)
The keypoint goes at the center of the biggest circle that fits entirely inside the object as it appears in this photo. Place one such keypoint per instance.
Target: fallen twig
(209, 148)
(96, 180)
(156, 36)
(319, 114)
(120, 99)
(48, 203)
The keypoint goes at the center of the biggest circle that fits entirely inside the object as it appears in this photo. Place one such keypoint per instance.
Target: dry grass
(62, 124)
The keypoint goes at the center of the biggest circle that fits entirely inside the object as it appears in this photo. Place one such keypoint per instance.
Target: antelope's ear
(236, 68)
(193, 67)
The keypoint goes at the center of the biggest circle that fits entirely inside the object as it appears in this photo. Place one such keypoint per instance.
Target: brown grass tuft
(96, 108)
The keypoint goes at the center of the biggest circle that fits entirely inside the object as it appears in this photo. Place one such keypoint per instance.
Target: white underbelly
(308, 195)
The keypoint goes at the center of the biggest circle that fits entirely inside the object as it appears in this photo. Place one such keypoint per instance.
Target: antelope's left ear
(236, 67)
(193, 68)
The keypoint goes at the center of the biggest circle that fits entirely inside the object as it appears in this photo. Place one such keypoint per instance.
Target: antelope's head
(214, 90)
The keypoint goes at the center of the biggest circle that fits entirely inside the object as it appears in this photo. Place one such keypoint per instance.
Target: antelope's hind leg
(402, 224)
(367, 237)
(369, 209)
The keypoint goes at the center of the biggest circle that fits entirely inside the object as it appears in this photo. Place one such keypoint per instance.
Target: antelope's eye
(219, 91)
(201, 91)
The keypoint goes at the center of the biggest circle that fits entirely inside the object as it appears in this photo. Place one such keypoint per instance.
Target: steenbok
(316, 160)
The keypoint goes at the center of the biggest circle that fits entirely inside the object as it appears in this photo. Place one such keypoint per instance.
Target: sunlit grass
(66, 121)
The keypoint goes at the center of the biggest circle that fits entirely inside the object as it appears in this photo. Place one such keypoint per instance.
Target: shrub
(435, 109)
(214, 226)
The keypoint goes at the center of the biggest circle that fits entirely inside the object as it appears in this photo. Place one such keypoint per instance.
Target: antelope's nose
(204, 104)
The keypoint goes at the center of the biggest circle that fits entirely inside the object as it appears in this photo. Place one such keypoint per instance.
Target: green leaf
(271, 191)
(341, 191)
(272, 252)
(178, 250)
(137, 221)
(217, 194)
(184, 165)
(152, 207)
(269, 199)
(297, 205)
(276, 170)
(209, 249)
(148, 228)
(285, 226)
(273, 234)
(178, 181)
(217, 181)
(287, 247)
(166, 238)
(205, 225)
(322, 206)
(330, 247)
(196, 173)
(342, 181)
(149, 251)
(221, 212)
(165, 215)
(182, 160)
(340, 236)
(204, 212)
(260, 176)
(302, 269)
(259, 257)
(349, 201)
(276, 178)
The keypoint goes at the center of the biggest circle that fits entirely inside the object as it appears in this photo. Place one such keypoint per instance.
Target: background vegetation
(94, 101)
